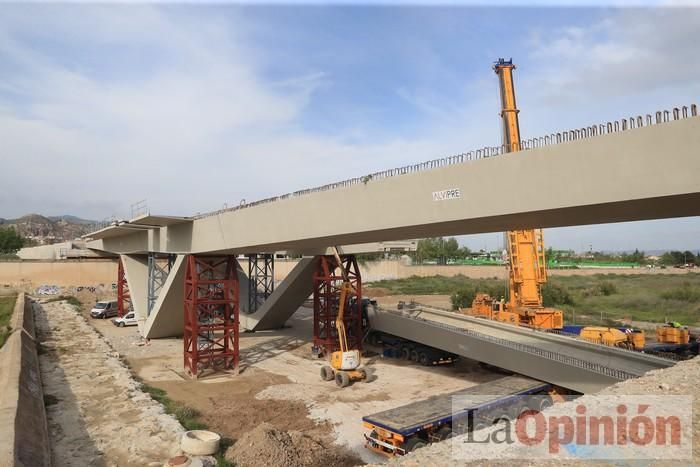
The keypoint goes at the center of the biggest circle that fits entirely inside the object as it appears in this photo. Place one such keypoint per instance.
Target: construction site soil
(285, 449)
(279, 385)
(277, 411)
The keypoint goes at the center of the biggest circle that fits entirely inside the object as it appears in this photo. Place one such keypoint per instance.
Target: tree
(440, 249)
(10, 241)
(637, 257)
(675, 258)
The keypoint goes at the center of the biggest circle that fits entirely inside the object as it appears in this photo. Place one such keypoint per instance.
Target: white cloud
(193, 129)
(641, 57)
(101, 106)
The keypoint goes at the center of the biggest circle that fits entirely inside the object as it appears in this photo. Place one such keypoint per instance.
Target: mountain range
(51, 229)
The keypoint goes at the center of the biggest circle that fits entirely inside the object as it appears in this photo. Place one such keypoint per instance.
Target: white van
(104, 309)
(128, 319)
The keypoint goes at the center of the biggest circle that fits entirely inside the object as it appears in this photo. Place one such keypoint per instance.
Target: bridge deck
(567, 362)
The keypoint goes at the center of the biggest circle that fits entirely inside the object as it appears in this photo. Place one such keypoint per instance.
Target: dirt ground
(97, 415)
(279, 383)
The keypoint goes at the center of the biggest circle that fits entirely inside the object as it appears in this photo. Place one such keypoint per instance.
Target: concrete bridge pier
(166, 317)
(286, 299)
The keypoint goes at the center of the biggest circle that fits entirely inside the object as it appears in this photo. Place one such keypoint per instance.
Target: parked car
(104, 310)
(128, 319)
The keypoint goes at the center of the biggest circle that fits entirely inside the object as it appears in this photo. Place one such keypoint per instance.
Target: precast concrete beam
(639, 174)
(549, 362)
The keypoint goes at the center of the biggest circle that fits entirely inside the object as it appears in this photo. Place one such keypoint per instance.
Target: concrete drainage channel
(25, 439)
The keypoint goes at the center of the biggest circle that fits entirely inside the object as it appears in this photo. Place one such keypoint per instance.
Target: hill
(47, 230)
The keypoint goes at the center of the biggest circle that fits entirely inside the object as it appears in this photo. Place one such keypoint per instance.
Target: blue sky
(161, 97)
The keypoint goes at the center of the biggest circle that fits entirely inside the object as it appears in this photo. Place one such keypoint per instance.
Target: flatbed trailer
(398, 431)
(397, 347)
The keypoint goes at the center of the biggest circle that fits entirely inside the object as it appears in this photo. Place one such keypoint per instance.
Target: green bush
(464, 296)
(685, 293)
(555, 294)
(607, 288)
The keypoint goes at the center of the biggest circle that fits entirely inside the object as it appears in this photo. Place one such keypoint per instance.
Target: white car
(128, 319)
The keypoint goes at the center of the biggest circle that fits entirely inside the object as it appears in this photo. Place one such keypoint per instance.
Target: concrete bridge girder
(645, 173)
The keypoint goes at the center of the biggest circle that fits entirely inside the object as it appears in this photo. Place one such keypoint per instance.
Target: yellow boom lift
(345, 363)
(527, 266)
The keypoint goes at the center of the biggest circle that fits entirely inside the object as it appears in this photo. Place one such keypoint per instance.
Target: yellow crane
(345, 363)
(527, 266)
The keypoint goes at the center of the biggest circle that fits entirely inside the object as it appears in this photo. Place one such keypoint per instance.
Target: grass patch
(188, 418)
(7, 306)
(68, 298)
(594, 299)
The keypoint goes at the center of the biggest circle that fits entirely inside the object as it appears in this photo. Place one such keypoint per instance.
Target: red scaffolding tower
(123, 295)
(328, 279)
(211, 314)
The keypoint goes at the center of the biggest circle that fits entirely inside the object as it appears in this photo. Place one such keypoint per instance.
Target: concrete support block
(285, 300)
(136, 272)
(167, 317)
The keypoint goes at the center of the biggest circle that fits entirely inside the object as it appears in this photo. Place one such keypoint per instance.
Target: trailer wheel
(414, 355)
(342, 379)
(444, 433)
(423, 359)
(413, 444)
(479, 423)
(544, 402)
(515, 410)
(405, 352)
(327, 373)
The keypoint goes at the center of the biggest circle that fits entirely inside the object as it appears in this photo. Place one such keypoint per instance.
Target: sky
(193, 106)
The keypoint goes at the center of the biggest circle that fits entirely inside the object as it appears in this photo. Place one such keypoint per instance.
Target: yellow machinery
(633, 340)
(527, 267)
(672, 333)
(345, 363)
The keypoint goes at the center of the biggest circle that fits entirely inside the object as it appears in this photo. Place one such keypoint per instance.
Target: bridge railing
(489, 151)
(543, 353)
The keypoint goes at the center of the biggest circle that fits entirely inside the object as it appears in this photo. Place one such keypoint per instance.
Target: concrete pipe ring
(200, 442)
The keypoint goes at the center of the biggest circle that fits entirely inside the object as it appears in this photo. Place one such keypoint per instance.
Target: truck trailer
(398, 431)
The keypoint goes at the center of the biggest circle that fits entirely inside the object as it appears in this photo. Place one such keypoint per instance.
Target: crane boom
(527, 268)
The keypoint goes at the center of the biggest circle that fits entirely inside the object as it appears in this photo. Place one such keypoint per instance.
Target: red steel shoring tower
(211, 314)
(123, 295)
(327, 281)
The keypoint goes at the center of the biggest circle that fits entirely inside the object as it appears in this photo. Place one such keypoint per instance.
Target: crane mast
(527, 272)
(527, 267)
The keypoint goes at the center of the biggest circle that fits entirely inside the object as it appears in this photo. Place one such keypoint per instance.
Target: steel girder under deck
(261, 279)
